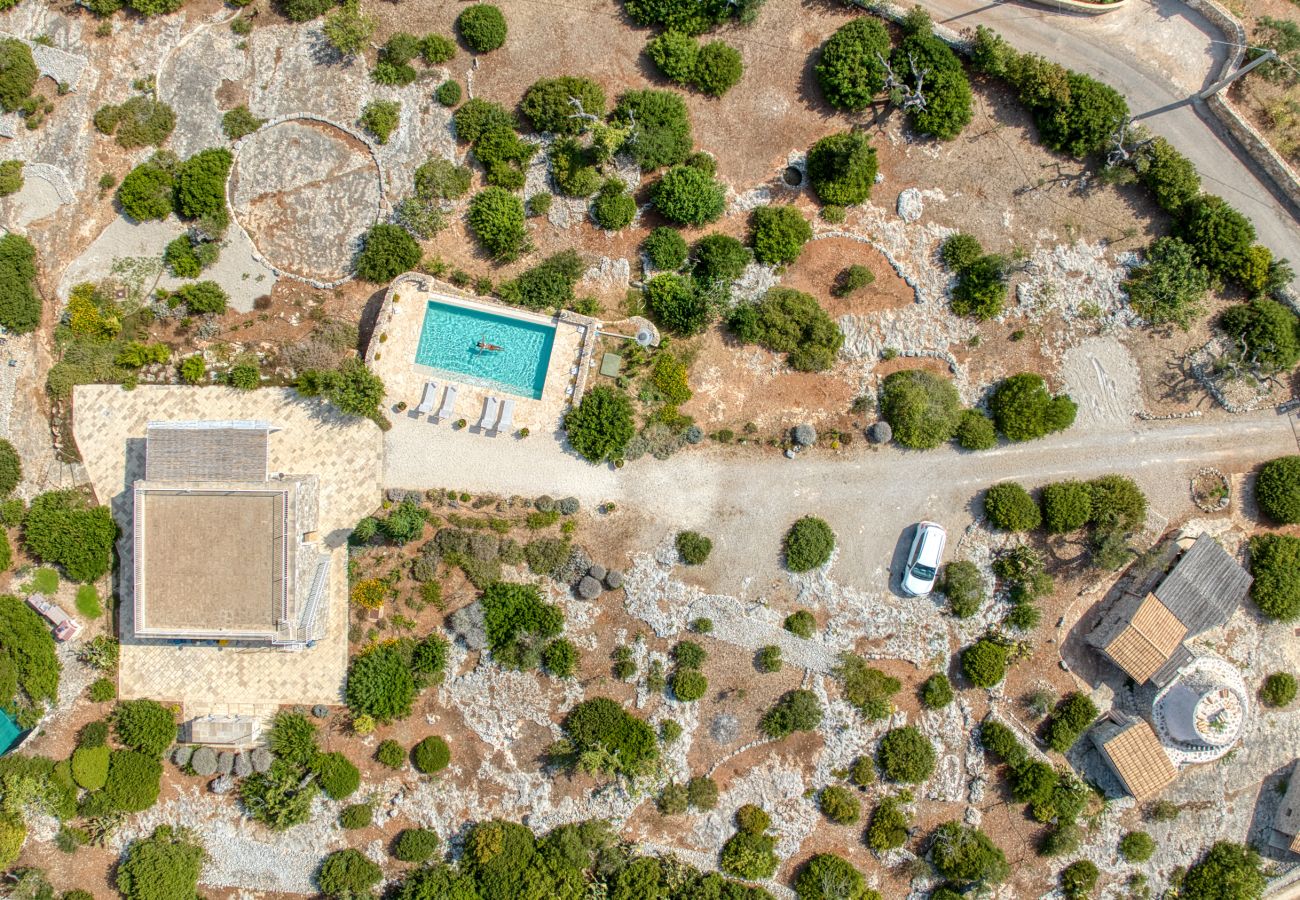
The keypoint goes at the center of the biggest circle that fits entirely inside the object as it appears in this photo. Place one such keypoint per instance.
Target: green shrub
(768, 659)
(352, 388)
(688, 685)
(718, 68)
(279, 798)
(1137, 846)
(829, 877)
(62, 527)
(139, 122)
(778, 233)
(936, 691)
(687, 17)
(293, 738)
(560, 657)
(1277, 489)
(548, 104)
(1168, 175)
(201, 188)
(852, 279)
(386, 252)
(337, 776)
(791, 322)
(348, 30)
(923, 409)
(517, 622)
(547, 285)
(1278, 690)
(627, 743)
(504, 156)
(984, 663)
(1117, 503)
(964, 587)
(687, 196)
(867, 689)
(981, 288)
(679, 304)
(1010, 507)
(675, 55)
(752, 819)
(965, 855)
(18, 74)
(1219, 235)
(146, 191)
(145, 725)
(381, 118)
(666, 248)
(797, 710)
(482, 27)
(808, 544)
(346, 874)
(1275, 565)
(1268, 334)
(906, 755)
(245, 376)
(90, 767)
(431, 755)
(448, 93)
(842, 168)
(476, 118)
(436, 49)
(975, 431)
(390, 753)
(1078, 879)
(239, 122)
(102, 690)
(416, 845)
(801, 623)
(20, 306)
(1169, 286)
(688, 655)
(1067, 506)
(888, 827)
(601, 425)
(614, 208)
(1225, 870)
(134, 780)
(945, 86)
(1072, 717)
(496, 217)
(849, 68)
(304, 10)
(11, 177)
(749, 855)
(163, 866)
(702, 793)
(719, 258)
(662, 132)
(960, 251)
(11, 468)
(356, 816)
(839, 804)
(182, 258)
(380, 684)
(1024, 410)
(693, 547)
(202, 298)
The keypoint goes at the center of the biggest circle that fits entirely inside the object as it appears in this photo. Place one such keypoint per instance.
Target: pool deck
(392, 350)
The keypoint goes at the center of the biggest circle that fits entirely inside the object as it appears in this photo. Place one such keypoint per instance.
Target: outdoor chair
(489, 413)
(448, 403)
(507, 416)
(430, 397)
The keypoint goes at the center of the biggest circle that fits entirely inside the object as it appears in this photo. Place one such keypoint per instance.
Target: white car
(923, 559)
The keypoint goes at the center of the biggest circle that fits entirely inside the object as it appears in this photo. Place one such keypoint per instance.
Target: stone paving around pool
(397, 336)
(345, 454)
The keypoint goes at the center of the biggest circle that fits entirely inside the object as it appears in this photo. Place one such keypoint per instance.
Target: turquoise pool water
(9, 732)
(449, 342)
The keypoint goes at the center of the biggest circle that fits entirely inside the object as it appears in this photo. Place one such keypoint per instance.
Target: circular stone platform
(305, 191)
(1200, 715)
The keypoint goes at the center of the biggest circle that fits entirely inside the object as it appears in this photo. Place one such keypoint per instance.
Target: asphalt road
(1158, 53)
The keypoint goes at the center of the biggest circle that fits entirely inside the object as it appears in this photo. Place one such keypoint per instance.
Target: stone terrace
(346, 455)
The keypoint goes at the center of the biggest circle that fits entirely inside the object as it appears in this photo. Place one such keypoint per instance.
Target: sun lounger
(490, 406)
(430, 397)
(507, 416)
(448, 403)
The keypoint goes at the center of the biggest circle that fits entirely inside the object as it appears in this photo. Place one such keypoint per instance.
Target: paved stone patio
(346, 455)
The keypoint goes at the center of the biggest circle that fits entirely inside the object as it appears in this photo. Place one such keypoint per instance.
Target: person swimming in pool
(484, 345)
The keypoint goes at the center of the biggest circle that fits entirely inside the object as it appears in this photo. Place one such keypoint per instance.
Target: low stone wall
(1088, 9)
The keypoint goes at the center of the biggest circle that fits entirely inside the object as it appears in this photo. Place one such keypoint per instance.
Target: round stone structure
(305, 190)
(1199, 716)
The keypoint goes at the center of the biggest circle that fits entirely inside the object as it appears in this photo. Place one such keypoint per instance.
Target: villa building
(1134, 753)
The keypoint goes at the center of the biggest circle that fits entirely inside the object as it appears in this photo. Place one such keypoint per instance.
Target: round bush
(863, 772)
(18, 73)
(1010, 507)
(387, 251)
(936, 692)
(719, 258)
(356, 816)
(1024, 410)
(960, 251)
(165, 864)
(663, 127)
(808, 544)
(1137, 846)
(482, 27)
(801, 623)
(337, 776)
(689, 685)
(1275, 565)
(1277, 489)
(391, 754)
(768, 659)
(496, 217)
(687, 196)
(11, 468)
(778, 233)
(146, 192)
(346, 874)
(145, 725)
(666, 248)
(964, 854)
(600, 426)
(906, 755)
(975, 431)
(981, 288)
(674, 54)
(830, 877)
(548, 104)
(1067, 506)
(753, 819)
(134, 780)
(678, 304)
(448, 93)
(842, 168)
(749, 855)
(431, 755)
(984, 662)
(718, 68)
(416, 845)
(693, 547)
(614, 208)
(840, 805)
(849, 69)
(922, 409)
(1279, 689)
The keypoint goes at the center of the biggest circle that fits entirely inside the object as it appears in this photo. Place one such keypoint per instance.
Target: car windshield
(925, 573)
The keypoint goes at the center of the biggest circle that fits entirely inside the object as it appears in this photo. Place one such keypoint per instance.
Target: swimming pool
(450, 338)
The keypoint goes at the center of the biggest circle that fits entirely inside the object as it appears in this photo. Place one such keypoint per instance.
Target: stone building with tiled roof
(1134, 753)
(1285, 833)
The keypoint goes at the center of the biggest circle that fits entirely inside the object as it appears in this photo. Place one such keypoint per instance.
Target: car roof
(932, 541)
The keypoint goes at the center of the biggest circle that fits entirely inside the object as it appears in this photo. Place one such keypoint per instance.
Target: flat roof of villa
(210, 559)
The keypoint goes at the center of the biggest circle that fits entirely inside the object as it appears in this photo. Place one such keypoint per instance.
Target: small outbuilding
(1146, 635)
(1134, 753)
(1285, 833)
